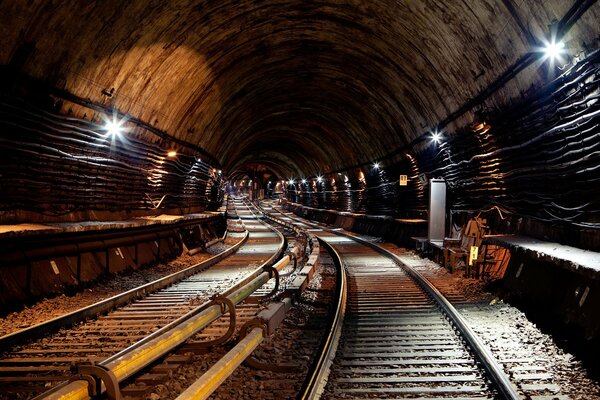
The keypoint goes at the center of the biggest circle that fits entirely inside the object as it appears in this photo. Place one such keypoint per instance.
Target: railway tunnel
(141, 138)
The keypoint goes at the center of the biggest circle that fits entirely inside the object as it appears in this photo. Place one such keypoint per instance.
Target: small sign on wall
(403, 180)
(54, 267)
(473, 254)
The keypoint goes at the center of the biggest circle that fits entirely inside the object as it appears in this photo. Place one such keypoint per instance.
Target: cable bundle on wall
(365, 191)
(54, 165)
(540, 158)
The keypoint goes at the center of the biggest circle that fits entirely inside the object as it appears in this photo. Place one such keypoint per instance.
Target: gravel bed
(294, 343)
(101, 289)
(507, 331)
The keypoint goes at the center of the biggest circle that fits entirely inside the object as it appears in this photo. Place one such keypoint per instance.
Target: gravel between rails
(294, 343)
(506, 329)
(104, 288)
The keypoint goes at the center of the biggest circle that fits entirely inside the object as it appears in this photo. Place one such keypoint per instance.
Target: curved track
(399, 337)
(33, 368)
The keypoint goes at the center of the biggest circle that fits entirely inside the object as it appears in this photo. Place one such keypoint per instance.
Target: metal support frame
(273, 273)
(252, 362)
(95, 376)
(226, 304)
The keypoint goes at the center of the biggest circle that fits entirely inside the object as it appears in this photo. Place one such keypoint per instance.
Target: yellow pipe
(216, 375)
(130, 363)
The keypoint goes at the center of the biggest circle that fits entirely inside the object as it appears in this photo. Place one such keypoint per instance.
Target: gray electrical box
(437, 209)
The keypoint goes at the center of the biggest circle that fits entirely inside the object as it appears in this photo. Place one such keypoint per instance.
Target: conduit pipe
(216, 375)
(133, 361)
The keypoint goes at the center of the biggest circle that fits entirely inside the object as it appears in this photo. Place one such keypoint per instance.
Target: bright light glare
(303, 180)
(553, 50)
(436, 137)
(113, 127)
(291, 182)
(376, 165)
(319, 179)
(172, 153)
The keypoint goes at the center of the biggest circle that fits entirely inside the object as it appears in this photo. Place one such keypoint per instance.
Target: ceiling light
(376, 165)
(319, 179)
(303, 180)
(113, 127)
(436, 137)
(553, 50)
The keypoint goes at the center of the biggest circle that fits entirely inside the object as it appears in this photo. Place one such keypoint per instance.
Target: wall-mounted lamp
(436, 137)
(113, 128)
(553, 50)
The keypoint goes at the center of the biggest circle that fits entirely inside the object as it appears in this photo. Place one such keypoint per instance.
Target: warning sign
(54, 267)
(473, 254)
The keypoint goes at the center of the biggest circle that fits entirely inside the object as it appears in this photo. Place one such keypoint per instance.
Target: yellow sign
(474, 254)
(403, 180)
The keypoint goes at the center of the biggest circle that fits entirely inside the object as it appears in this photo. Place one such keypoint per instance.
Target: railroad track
(30, 369)
(205, 360)
(400, 337)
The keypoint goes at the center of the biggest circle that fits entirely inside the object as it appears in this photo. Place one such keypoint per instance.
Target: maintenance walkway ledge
(577, 260)
(21, 230)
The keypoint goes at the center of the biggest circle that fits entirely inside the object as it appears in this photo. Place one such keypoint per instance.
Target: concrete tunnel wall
(302, 89)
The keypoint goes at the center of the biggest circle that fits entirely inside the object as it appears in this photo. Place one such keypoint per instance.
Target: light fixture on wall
(113, 128)
(553, 50)
(436, 137)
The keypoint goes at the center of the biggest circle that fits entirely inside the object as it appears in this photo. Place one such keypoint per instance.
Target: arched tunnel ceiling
(301, 86)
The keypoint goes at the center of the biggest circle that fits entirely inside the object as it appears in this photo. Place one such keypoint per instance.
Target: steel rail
(210, 381)
(104, 306)
(481, 352)
(315, 382)
(141, 354)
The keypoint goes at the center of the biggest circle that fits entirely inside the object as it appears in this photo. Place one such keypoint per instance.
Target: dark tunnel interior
(160, 137)
(282, 91)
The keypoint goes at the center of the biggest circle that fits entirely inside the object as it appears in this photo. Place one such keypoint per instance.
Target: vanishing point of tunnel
(143, 138)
